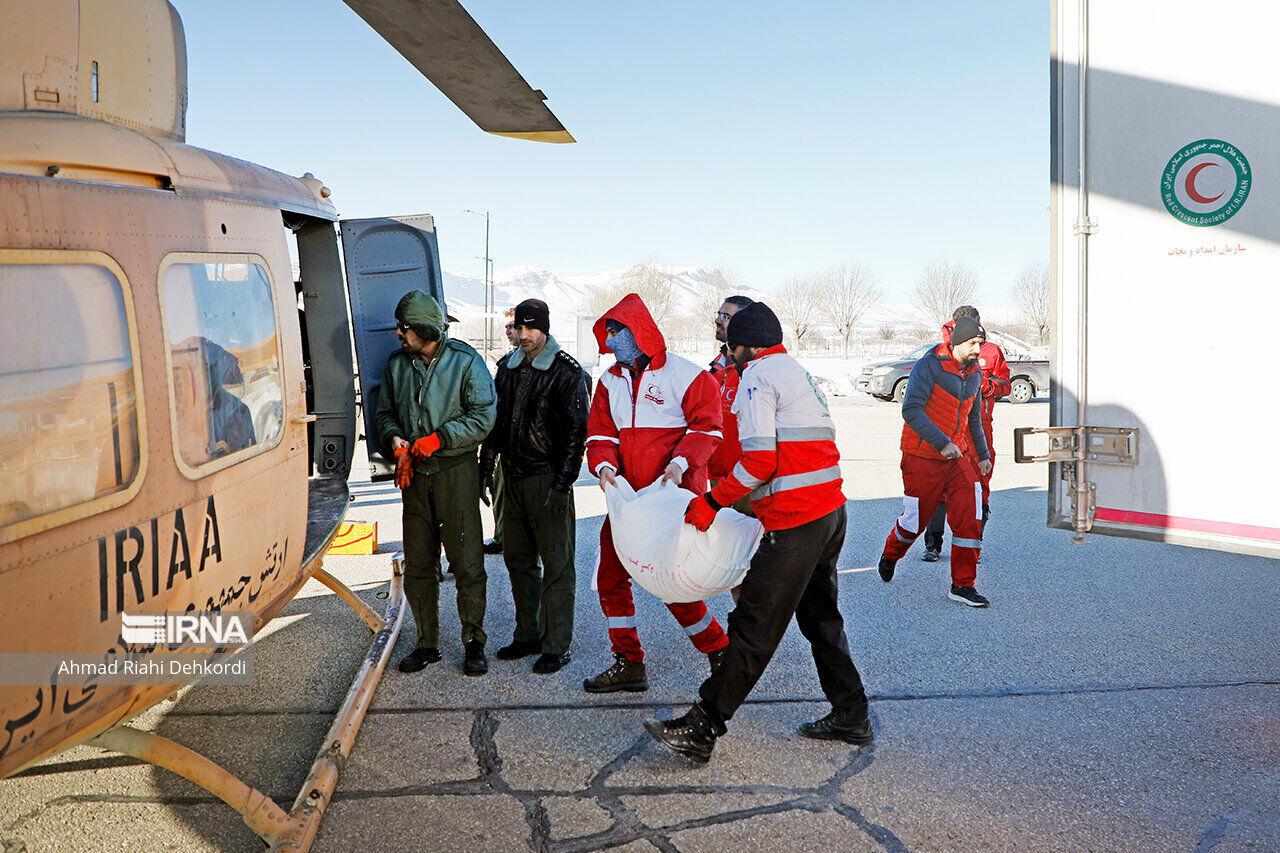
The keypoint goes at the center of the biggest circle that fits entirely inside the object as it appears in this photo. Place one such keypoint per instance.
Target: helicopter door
(385, 258)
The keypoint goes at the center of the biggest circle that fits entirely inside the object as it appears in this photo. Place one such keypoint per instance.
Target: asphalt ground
(1117, 695)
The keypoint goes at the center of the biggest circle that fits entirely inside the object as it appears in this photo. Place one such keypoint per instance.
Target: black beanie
(966, 328)
(754, 325)
(534, 314)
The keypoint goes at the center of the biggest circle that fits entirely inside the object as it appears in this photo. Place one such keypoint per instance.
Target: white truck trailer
(1165, 410)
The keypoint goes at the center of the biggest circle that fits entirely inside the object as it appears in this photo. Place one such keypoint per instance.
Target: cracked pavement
(1117, 695)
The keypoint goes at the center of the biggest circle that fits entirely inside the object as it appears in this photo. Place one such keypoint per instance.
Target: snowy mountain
(567, 296)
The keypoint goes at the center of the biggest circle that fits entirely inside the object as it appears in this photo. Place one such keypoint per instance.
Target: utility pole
(488, 283)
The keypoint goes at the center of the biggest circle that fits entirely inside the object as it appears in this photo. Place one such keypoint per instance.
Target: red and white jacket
(790, 466)
(728, 451)
(669, 411)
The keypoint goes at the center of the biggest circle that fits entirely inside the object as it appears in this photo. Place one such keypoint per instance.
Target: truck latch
(1075, 447)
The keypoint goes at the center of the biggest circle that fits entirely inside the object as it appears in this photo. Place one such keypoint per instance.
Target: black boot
(519, 649)
(714, 659)
(474, 663)
(418, 659)
(849, 726)
(548, 663)
(886, 568)
(493, 546)
(693, 735)
(623, 675)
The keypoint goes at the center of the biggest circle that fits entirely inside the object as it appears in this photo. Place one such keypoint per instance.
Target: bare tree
(1031, 296)
(845, 294)
(686, 331)
(602, 299)
(886, 332)
(710, 293)
(655, 287)
(942, 288)
(797, 306)
(659, 291)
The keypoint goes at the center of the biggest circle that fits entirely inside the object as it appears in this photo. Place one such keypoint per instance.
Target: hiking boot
(848, 726)
(474, 663)
(714, 659)
(549, 663)
(930, 555)
(968, 595)
(519, 649)
(623, 675)
(692, 736)
(418, 659)
(492, 546)
(886, 568)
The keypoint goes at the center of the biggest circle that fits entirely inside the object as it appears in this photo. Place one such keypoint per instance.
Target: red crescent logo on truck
(1190, 185)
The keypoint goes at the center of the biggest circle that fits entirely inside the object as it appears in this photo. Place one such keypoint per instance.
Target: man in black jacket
(540, 435)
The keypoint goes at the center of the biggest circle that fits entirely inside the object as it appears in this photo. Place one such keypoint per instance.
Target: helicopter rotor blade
(443, 41)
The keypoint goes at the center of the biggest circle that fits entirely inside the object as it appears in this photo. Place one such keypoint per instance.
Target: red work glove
(404, 467)
(424, 447)
(701, 512)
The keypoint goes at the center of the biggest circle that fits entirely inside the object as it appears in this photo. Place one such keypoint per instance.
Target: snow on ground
(835, 376)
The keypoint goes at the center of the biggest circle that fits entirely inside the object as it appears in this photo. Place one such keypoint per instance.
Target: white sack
(673, 560)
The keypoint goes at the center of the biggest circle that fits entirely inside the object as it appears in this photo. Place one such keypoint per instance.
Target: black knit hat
(966, 328)
(754, 326)
(534, 314)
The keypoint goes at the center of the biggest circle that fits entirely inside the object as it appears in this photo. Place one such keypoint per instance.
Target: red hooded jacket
(668, 411)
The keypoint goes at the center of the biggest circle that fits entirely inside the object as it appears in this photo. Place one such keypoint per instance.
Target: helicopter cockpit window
(68, 411)
(227, 388)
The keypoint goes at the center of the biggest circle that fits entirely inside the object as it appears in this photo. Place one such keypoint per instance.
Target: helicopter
(177, 414)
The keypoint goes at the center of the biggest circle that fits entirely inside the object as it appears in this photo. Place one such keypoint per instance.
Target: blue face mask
(624, 347)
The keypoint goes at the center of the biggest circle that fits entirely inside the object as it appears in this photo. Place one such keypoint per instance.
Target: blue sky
(769, 140)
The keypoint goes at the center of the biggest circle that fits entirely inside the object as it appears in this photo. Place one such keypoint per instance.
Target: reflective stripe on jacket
(728, 451)
(669, 410)
(790, 465)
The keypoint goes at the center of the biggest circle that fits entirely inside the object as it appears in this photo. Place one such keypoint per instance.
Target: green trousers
(444, 508)
(498, 479)
(531, 530)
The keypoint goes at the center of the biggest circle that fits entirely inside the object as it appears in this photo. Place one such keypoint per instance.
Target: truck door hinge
(1104, 445)
(1075, 446)
(1084, 225)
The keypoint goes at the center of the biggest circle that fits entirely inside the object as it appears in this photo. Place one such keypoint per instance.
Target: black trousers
(793, 572)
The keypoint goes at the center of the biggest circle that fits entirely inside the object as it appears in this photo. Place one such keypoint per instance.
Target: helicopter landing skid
(294, 830)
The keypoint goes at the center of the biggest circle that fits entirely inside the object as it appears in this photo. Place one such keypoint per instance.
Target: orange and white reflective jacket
(790, 466)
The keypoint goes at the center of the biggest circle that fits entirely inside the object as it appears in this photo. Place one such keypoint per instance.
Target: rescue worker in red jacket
(654, 415)
(728, 374)
(942, 420)
(791, 469)
(995, 385)
(724, 359)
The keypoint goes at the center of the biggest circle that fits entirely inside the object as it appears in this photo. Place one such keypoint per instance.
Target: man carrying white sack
(654, 415)
(790, 467)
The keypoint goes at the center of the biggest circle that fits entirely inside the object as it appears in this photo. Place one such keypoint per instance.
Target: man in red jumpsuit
(654, 415)
(942, 421)
(995, 385)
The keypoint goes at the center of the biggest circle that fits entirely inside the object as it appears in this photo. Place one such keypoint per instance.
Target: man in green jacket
(436, 404)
